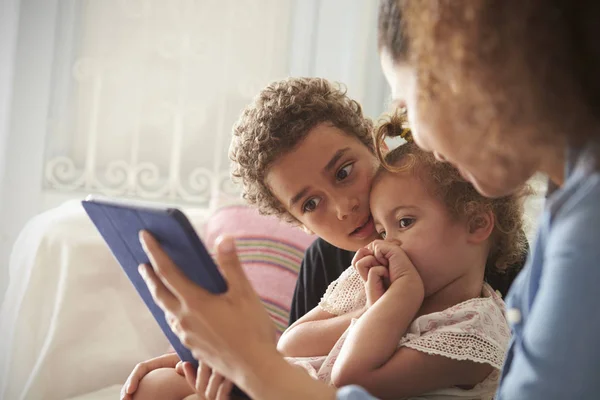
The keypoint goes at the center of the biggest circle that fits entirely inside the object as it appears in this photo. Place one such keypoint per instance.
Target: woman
(513, 87)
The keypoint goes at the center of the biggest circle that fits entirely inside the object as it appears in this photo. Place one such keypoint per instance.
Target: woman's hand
(170, 360)
(206, 382)
(231, 331)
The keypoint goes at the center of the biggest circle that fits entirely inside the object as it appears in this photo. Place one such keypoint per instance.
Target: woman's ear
(305, 229)
(481, 226)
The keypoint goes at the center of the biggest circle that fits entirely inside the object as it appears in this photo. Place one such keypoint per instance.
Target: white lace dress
(474, 330)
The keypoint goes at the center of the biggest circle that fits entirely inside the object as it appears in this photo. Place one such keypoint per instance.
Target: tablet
(119, 222)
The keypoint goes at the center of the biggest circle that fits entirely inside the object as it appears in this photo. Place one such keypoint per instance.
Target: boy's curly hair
(508, 240)
(277, 120)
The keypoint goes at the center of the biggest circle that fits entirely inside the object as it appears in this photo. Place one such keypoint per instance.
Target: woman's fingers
(204, 374)
(161, 294)
(169, 274)
(190, 374)
(229, 264)
(225, 390)
(214, 382)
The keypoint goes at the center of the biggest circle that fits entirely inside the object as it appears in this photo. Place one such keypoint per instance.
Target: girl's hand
(231, 331)
(373, 273)
(391, 255)
(377, 283)
(363, 261)
(206, 382)
(170, 360)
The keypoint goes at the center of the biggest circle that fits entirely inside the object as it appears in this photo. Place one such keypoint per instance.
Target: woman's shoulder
(580, 194)
(575, 211)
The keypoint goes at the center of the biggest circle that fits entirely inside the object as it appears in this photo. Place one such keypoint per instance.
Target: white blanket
(71, 322)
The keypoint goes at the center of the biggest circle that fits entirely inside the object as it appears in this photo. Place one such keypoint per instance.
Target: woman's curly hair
(527, 63)
(508, 240)
(278, 119)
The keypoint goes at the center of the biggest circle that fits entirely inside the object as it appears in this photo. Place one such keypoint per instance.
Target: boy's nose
(345, 208)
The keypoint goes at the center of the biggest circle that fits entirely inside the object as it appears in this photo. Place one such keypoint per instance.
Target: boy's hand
(170, 360)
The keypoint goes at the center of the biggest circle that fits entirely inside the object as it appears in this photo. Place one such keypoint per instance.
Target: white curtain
(9, 21)
(145, 93)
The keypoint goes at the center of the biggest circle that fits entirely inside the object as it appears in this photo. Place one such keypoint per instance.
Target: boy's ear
(481, 226)
(305, 229)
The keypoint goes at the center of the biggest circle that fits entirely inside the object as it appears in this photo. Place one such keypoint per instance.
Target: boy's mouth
(365, 230)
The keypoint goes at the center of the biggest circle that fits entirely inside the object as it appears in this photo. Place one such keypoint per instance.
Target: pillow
(270, 251)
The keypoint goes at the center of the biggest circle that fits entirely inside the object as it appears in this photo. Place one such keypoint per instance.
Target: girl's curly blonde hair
(508, 240)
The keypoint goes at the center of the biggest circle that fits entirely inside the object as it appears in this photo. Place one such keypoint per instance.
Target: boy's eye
(311, 204)
(406, 222)
(344, 172)
(382, 234)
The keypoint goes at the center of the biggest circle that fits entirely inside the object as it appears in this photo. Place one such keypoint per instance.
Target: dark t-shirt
(323, 263)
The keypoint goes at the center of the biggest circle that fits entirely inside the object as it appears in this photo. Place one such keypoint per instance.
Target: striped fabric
(270, 252)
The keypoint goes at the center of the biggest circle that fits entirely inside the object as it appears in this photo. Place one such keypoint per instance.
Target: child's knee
(163, 384)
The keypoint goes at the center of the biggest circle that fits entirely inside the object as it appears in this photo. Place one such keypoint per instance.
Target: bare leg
(163, 384)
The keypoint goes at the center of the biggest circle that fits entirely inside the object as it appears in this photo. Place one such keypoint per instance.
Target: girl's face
(495, 167)
(441, 248)
(324, 183)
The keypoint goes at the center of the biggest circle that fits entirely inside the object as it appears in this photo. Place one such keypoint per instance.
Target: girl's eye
(406, 222)
(311, 204)
(382, 234)
(344, 172)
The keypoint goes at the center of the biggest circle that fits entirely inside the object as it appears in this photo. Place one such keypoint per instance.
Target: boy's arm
(315, 334)
(370, 356)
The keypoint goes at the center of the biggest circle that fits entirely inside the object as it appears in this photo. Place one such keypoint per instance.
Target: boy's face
(325, 183)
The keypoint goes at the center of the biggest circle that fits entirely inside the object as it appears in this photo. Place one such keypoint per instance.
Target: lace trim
(345, 294)
(459, 346)
(487, 294)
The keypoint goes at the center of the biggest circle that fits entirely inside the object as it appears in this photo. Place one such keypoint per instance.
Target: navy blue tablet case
(120, 224)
